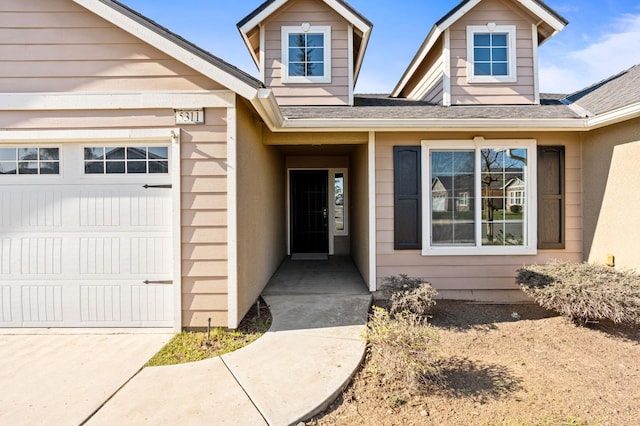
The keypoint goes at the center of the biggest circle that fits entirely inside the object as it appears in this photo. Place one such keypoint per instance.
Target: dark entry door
(309, 211)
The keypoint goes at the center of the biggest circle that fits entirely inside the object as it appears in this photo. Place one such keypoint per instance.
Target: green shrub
(516, 208)
(409, 294)
(584, 292)
(401, 348)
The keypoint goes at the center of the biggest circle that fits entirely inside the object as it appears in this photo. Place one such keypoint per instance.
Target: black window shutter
(551, 197)
(407, 202)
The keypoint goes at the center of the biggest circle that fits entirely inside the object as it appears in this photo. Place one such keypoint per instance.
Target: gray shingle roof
(185, 44)
(541, 3)
(384, 107)
(268, 3)
(615, 92)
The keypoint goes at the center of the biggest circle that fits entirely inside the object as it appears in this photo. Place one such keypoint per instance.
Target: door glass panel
(339, 201)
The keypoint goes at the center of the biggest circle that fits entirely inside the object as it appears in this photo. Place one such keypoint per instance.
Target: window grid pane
(503, 197)
(491, 54)
(306, 55)
(29, 161)
(452, 198)
(126, 160)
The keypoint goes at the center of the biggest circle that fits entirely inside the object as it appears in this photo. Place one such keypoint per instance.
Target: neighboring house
(147, 183)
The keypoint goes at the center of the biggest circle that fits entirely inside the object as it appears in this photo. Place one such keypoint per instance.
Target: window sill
(492, 80)
(480, 251)
(306, 80)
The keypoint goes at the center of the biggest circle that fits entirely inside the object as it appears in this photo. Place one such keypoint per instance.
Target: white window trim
(345, 205)
(512, 48)
(531, 187)
(305, 28)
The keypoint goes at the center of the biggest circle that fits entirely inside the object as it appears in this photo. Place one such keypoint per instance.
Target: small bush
(410, 294)
(401, 348)
(516, 208)
(584, 292)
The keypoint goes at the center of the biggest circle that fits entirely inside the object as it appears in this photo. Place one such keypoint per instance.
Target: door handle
(324, 213)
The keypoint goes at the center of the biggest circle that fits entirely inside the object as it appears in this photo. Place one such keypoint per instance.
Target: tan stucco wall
(611, 205)
(359, 190)
(261, 209)
(487, 278)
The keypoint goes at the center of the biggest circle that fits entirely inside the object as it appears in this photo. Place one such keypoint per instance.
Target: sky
(601, 40)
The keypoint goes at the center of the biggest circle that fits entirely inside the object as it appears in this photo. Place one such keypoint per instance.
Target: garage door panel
(5, 256)
(101, 303)
(84, 250)
(151, 303)
(41, 256)
(5, 305)
(100, 256)
(42, 303)
(41, 208)
(151, 255)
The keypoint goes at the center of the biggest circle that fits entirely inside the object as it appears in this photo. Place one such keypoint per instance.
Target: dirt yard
(508, 365)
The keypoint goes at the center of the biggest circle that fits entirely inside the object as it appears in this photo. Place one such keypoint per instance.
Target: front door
(309, 211)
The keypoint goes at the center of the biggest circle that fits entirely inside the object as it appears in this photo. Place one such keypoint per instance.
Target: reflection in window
(306, 55)
(493, 213)
(29, 161)
(339, 201)
(126, 160)
(452, 198)
(503, 196)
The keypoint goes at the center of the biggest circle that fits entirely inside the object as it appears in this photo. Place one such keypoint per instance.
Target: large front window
(306, 54)
(479, 202)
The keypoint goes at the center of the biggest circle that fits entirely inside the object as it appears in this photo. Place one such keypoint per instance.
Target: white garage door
(85, 236)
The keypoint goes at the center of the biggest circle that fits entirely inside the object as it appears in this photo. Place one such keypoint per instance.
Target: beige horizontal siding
(317, 14)
(520, 92)
(470, 276)
(58, 46)
(204, 221)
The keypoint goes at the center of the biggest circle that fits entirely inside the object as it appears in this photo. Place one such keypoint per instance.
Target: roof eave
(432, 124)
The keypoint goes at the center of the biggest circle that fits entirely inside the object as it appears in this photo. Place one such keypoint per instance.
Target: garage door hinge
(157, 186)
(158, 282)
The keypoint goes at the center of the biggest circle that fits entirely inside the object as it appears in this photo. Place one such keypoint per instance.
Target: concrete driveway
(62, 379)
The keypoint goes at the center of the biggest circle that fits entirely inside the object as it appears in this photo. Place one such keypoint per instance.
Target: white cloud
(606, 56)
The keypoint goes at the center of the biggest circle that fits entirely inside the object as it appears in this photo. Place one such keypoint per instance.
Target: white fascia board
(257, 20)
(245, 38)
(167, 46)
(424, 50)
(432, 124)
(459, 14)
(363, 48)
(89, 135)
(615, 116)
(341, 10)
(267, 107)
(98, 101)
(349, 16)
(540, 12)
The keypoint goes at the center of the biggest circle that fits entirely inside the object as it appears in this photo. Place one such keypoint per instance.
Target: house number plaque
(189, 116)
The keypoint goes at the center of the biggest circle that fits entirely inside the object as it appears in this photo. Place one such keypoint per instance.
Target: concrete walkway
(294, 371)
(51, 378)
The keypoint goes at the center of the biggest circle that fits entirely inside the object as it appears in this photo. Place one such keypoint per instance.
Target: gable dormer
(309, 52)
(482, 52)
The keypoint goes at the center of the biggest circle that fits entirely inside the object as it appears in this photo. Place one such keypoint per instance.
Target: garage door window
(126, 160)
(29, 161)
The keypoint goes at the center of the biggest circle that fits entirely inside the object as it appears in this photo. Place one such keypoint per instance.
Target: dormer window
(306, 54)
(491, 53)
